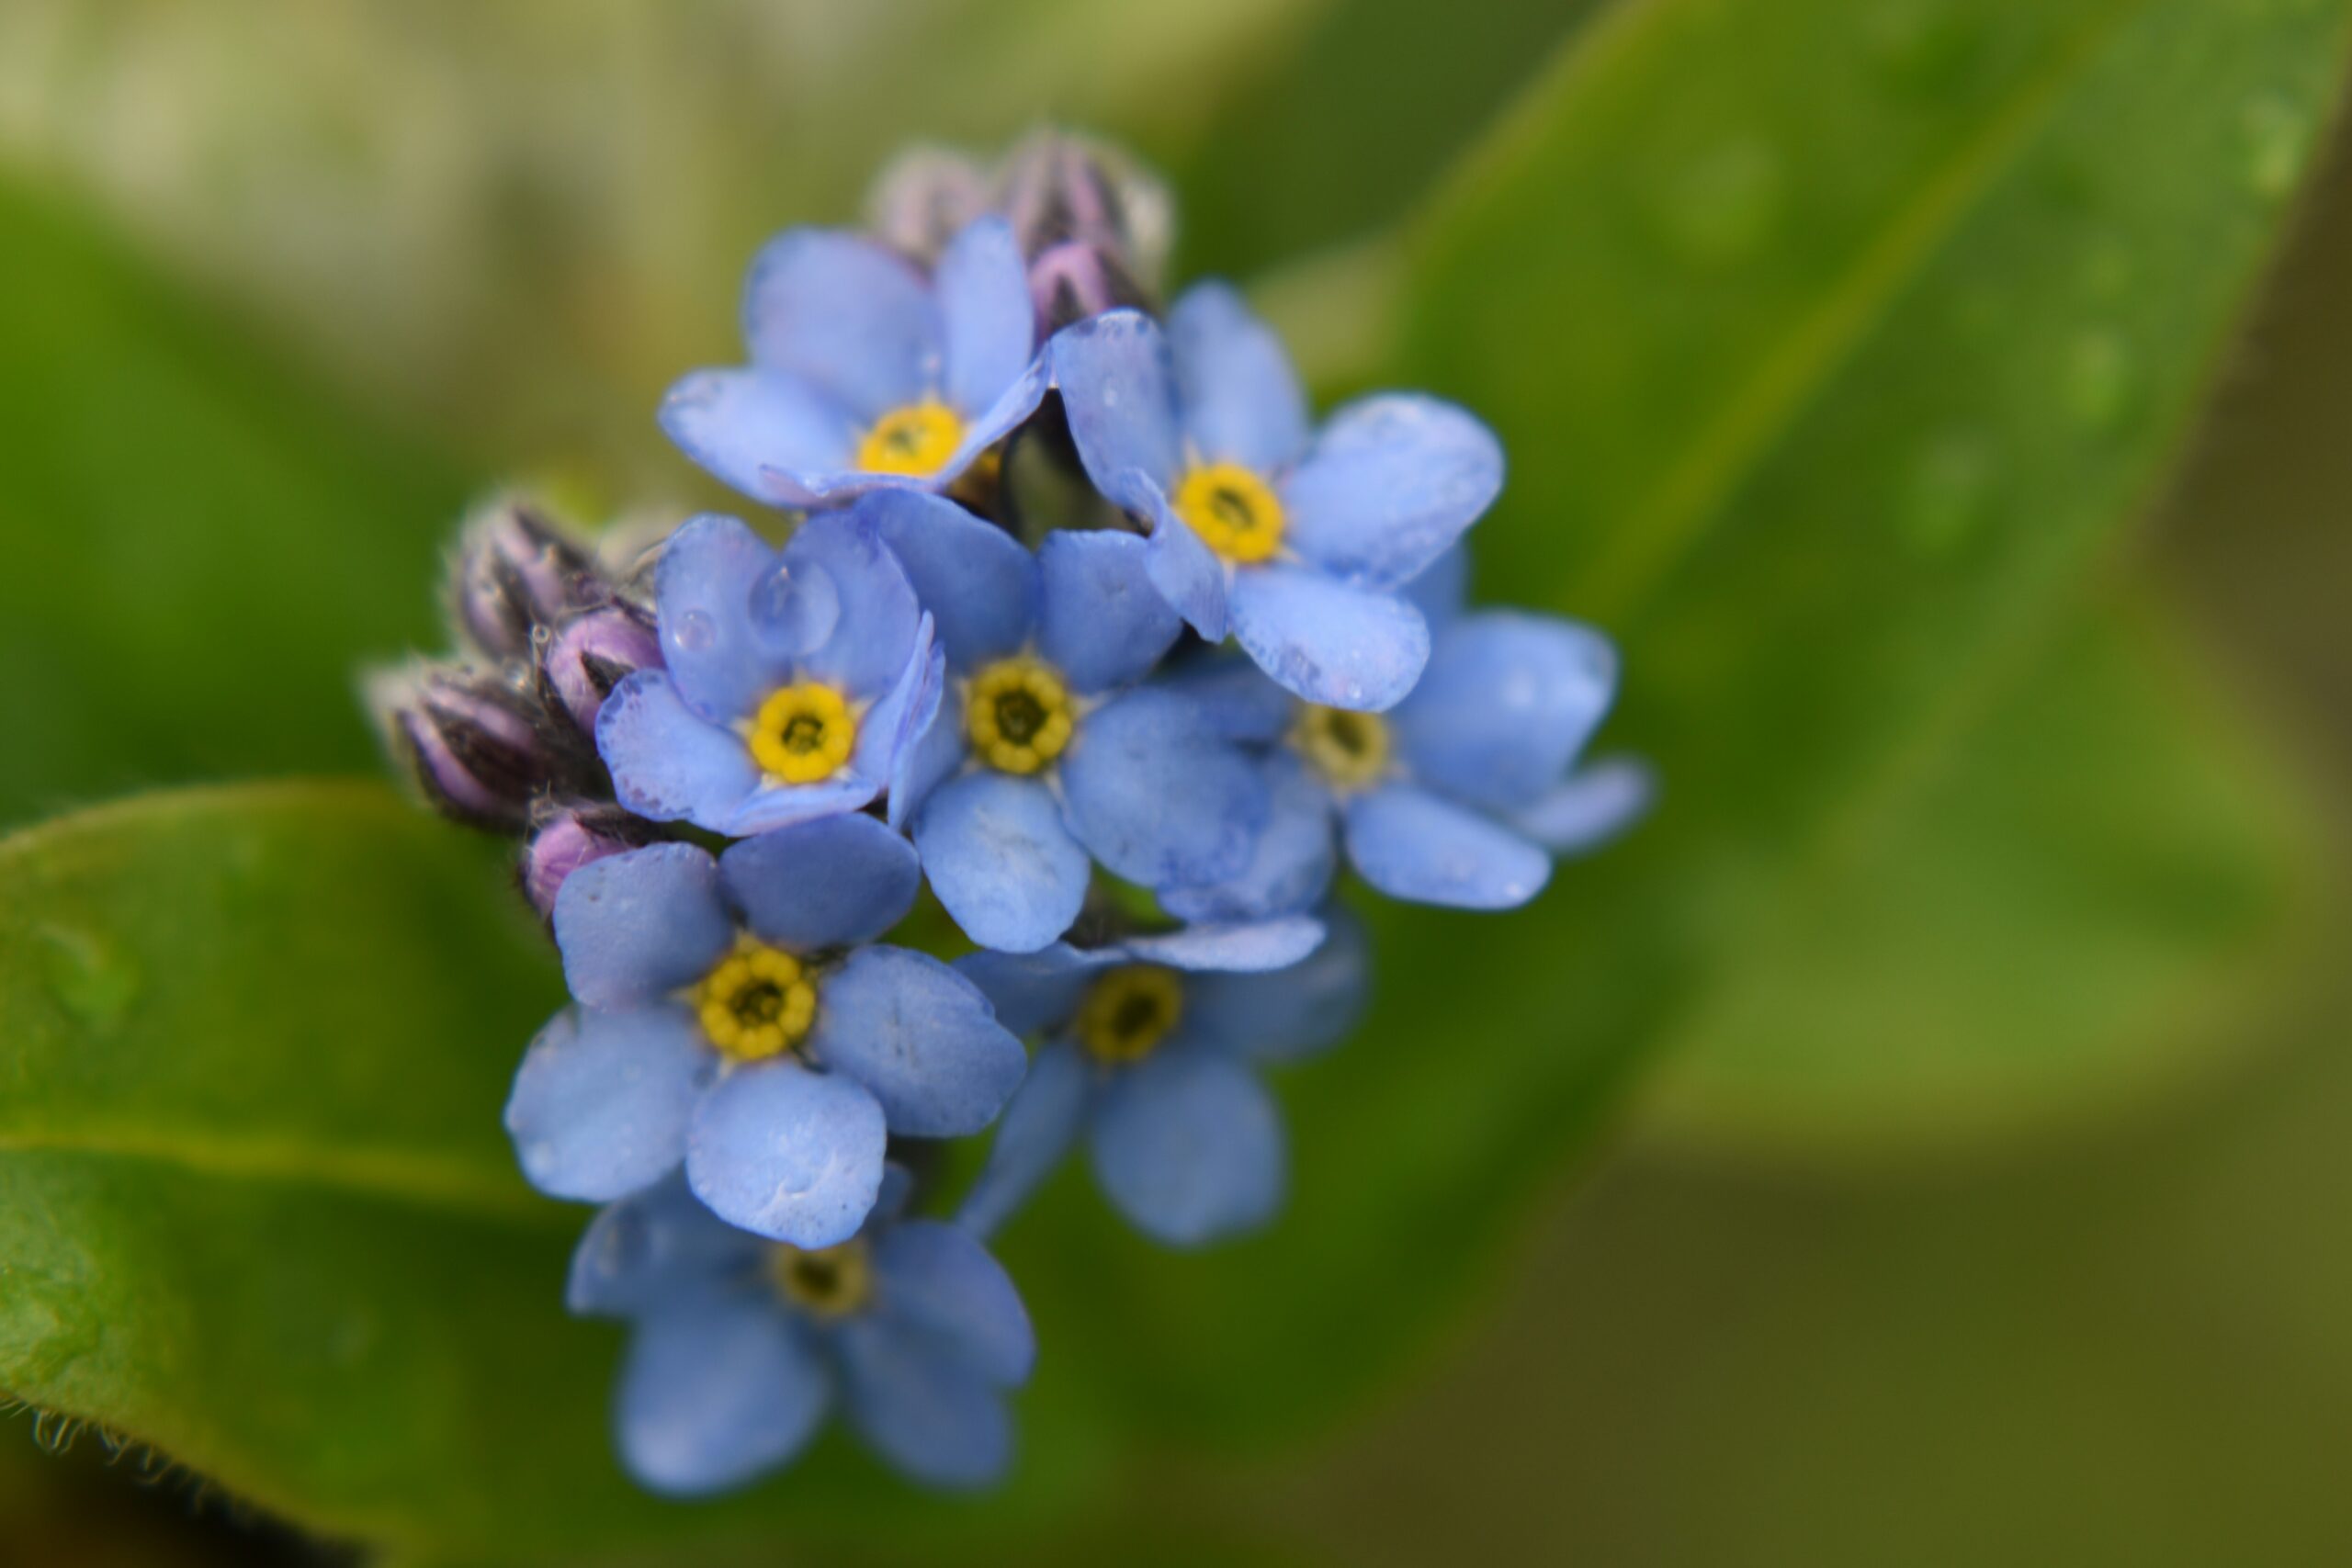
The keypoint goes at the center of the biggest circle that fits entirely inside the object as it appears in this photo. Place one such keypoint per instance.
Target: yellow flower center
(1349, 750)
(1018, 714)
(829, 1282)
(1232, 509)
(802, 733)
(1129, 1011)
(916, 439)
(758, 1002)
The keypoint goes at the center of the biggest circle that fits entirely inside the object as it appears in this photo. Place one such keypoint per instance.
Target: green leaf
(200, 544)
(2069, 918)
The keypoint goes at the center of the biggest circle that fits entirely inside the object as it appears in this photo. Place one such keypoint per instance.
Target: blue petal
(888, 731)
(851, 316)
(977, 583)
(1038, 1130)
(1390, 484)
(1102, 623)
(750, 426)
(702, 593)
(1189, 1147)
(925, 1411)
(919, 1037)
(987, 427)
(1156, 797)
(1239, 398)
(636, 926)
(667, 761)
(1410, 844)
(1507, 701)
(1292, 866)
(1120, 395)
(655, 1246)
(1186, 572)
(1329, 642)
(781, 806)
(793, 1154)
(718, 1391)
(990, 325)
(1001, 861)
(1591, 806)
(601, 1103)
(834, 882)
(1264, 944)
(1291, 1013)
(941, 1281)
(878, 614)
(1440, 593)
(1235, 696)
(923, 765)
(1032, 991)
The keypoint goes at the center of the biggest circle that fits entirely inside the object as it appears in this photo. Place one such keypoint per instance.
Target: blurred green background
(1929, 1141)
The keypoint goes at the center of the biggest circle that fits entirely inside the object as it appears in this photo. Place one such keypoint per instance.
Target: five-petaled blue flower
(1045, 752)
(733, 1016)
(1149, 1050)
(743, 1345)
(1457, 795)
(793, 677)
(865, 374)
(1298, 546)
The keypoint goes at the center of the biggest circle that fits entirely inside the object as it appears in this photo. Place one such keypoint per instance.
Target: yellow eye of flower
(1018, 714)
(829, 1282)
(1232, 509)
(1349, 750)
(802, 733)
(758, 1002)
(916, 439)
(1129, 1011)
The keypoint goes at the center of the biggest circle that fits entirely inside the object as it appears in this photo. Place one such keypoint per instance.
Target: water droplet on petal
(90, 977)
(793, 612)
(1110, 397)
(694, 632)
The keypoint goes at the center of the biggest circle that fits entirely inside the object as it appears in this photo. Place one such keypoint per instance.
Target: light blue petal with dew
(601, 1103)
(923, 1409)
(940, 1281)
(834, 882)
(919, 1037)
(1389, 485)
(1589, 807)
(1411, 844)
(1441, 592)
(1001, 861)
(930, 760)
(1100, 621)
(1507, 703)
(1326, 641)
(1263, 944)
(878, 614)
(977, 583)
(1035, 991)
(1119, 394)
(1237, 394)
(636, 926)
(702, 594)
(1187, 1145)
(1290, 868)
(756, 429)
(667, 761)
(717, 1392)
(1289, 1014)
(847, 314)
(989, 323)
(655, 1246)
(1188, 574)
(1235, 696)
(888, 728)
(791, 1154)
(1156, 797)
(1039, 1127)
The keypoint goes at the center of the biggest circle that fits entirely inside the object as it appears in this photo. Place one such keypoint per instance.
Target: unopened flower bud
(1058, 189)
(589, 653)
(516, 570)
(566, 838)
(471, 741)
(921, 201)
(1073, 281)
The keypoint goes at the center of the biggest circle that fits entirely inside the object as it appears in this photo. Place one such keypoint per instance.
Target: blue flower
(866, 374)
(733, 1015)
(1150, 1046)
(1458, 796)
(1045, 752)
(743, 1346)
(1298, 546)
(794, 678)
